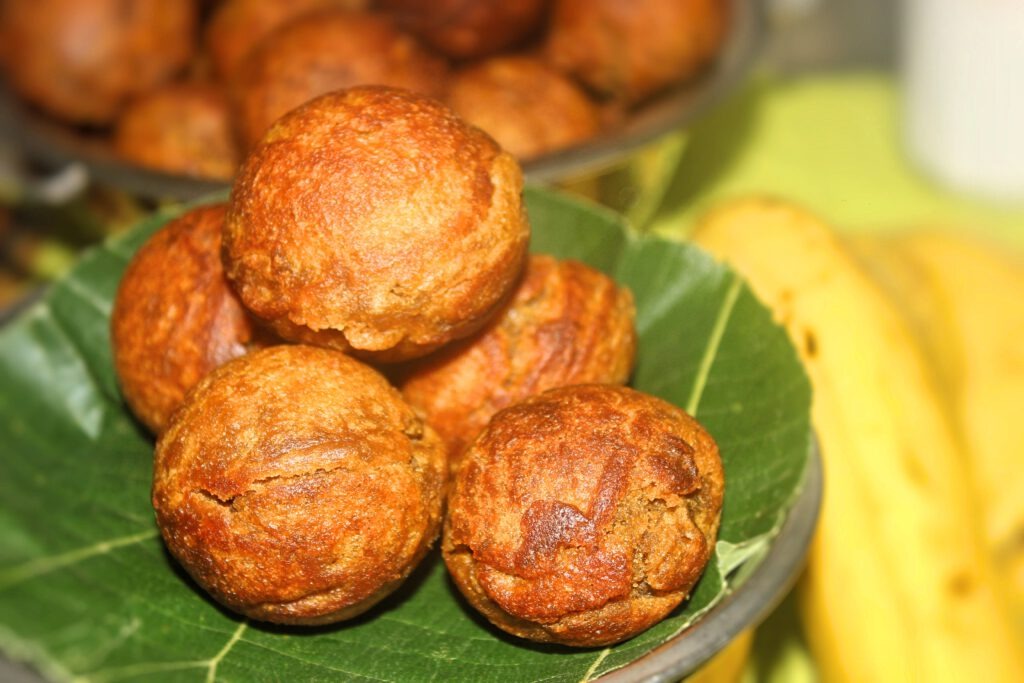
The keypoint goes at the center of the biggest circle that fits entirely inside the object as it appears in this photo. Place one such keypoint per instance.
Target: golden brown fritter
(630, 49)
(175, 318)
(238, 25)
(566, 324)
(584, 515)
(296, 486)
(466, 29)
(374, 220)
(524, 104)
(322, 52)
(82, 60)
(179, 128)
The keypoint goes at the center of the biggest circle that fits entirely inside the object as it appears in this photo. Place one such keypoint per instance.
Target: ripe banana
(967, 300)
(729, 664)
(898, 586)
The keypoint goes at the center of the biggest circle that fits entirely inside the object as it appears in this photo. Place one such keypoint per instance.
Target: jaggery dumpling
(375, 221)
(524, 104)
(465, 30)
(82, 60)
(566, 324)
(297, 487)
(182, 128)
(631, 50)
(585, 515)
(238, 25)
(175, 318)
(322, 52)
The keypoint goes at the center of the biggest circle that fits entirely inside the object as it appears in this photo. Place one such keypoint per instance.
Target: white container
(963, 78)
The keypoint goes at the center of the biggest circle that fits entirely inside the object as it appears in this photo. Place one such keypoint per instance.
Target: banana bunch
(965, 300)
(900, 584)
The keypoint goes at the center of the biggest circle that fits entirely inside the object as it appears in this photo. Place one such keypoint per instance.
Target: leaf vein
(214, 662)
(288, 655)
(597, 662)
(88, 296)
(17, 574)
(139, 669)
(717, 332)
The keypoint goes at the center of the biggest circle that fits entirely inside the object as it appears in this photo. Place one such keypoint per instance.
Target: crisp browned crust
(467, 29)
(179, 128)
(527, 106)
(296, 486)
(630, 49)
(322, 52)
(376, 221)
(175, 318)
(584, 515)
(81, 60)
(566, 324)
(238, 25)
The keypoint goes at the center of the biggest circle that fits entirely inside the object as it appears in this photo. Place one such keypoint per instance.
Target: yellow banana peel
(898, 586)
(966, 299)
(729, 664)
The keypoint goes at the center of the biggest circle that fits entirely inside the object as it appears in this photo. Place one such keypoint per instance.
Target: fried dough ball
(466, 30)
(175, 318)
(297, 487)
(179, 128)
(567, 324)
(373, 220)
(238, 25)
(527, 106)
(630, 50)
(585, 515)
(82, 60)
(327, 51)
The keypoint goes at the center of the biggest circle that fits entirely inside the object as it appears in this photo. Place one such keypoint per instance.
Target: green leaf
(87, 590)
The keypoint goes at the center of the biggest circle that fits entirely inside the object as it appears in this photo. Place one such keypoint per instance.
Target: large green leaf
(87, 589)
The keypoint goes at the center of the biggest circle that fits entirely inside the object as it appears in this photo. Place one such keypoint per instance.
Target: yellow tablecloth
(831, 142)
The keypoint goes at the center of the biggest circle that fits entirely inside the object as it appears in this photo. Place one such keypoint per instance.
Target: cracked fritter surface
(175, 317)
(584, 515)
(373, 220)
(296, 486)
(567, 323)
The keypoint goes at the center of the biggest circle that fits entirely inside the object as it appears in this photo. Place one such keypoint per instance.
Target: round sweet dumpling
(179, 128)
(375, 221)
(322, 52)
(566, 324)
(82, 60)
(585, 515)
(175, 318)
(467, 30)
(238, 25)
(296, 486)
(631, 50)
(527, 106)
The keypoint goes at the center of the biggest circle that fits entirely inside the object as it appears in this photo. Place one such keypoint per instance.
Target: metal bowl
(56, 146)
